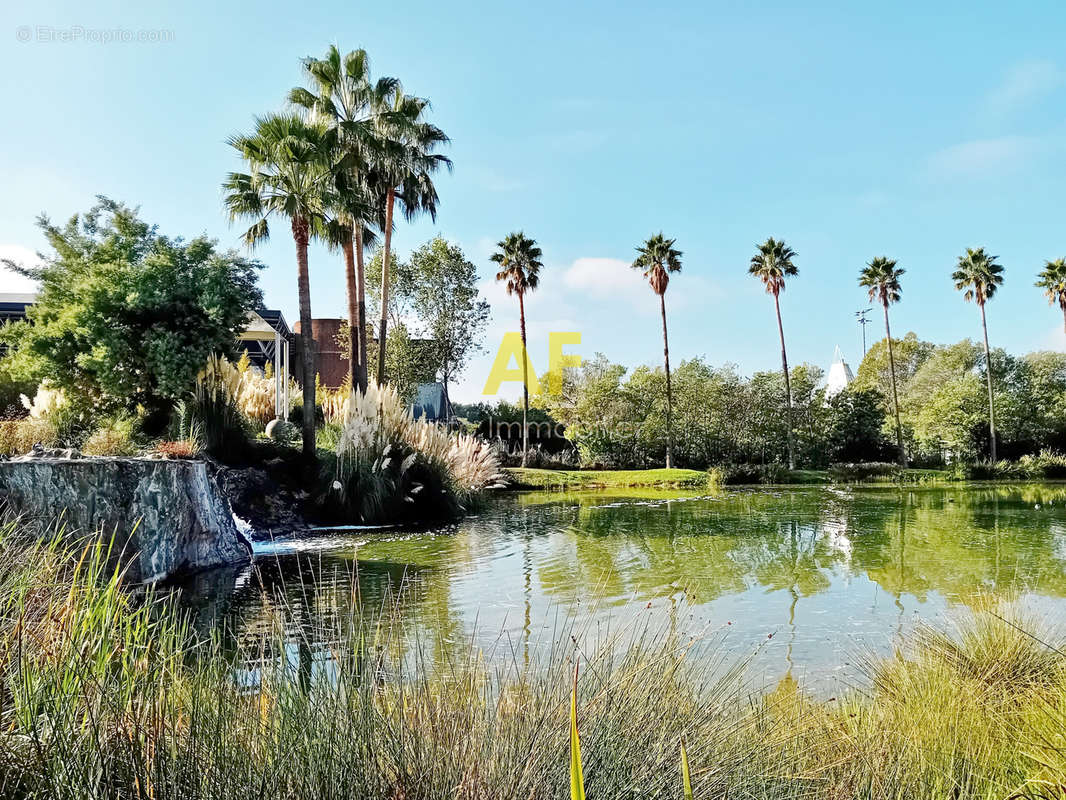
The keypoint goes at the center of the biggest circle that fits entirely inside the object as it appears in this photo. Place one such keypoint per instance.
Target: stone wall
(167, 517)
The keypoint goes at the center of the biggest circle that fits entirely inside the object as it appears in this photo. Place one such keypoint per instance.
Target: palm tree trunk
(300, 233)
(669, 389)
(895, 395)
(383, 323)
(354, 326)
(525, 378)
(360, 282)
(988, 377)
(788, 383)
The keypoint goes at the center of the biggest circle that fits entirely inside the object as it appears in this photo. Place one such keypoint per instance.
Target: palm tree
(657, 257)
(772, 264)
(348, 101)
(1053, 282)
(520, 264)
(881, 276)
(291, 175)
(978, 276)
(402, 170)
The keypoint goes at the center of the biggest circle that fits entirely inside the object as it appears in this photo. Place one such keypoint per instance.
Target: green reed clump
(105, 692)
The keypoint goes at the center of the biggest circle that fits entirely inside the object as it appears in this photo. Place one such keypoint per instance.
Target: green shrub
(214, 411)
(115, 437)
(746, 474)
(1048, 465)
(987, 470)
(864, 471)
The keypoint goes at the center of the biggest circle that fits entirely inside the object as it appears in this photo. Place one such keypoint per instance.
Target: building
(840, 376)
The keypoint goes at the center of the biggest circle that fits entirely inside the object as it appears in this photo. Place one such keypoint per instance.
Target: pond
(805, 581)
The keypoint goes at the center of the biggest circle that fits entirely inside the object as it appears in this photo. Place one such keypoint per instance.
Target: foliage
(452, 315)
(114, 437)
(855, 430)
(576, 480)
(214, 410)
(863, 472)
(617, 421)
(127, 317)
(18, 436)
(391, 467)
(745, 474)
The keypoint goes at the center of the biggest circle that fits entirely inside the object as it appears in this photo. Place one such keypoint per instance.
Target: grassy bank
(576, 479)
(105, 695)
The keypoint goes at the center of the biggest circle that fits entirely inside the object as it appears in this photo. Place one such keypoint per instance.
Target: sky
(912, 130)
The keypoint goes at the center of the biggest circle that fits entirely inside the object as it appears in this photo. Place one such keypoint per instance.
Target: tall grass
(107, 693)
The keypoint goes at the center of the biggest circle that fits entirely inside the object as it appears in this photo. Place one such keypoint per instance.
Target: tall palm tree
(520, 264)
(978, 276)
(1053, 282)
(881, 276)
(291, 176)
(772, 264)
(657, 258)
(345, 99)
(402, 170)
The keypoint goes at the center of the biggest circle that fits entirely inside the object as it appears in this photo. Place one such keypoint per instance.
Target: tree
(520, 265)
(978, 276)
(451, 314)
(291, 175)
(127, 317)
(856, 417)
(772, 264)
(657, 258)
(1053, 281)
(349, 102)
(402, 170)
(881, 276)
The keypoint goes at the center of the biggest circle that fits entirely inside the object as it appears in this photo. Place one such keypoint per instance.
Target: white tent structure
(840, 375)
(259, 330)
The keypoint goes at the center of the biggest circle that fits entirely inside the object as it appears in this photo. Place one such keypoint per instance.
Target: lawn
(577, 479)
(526, 478)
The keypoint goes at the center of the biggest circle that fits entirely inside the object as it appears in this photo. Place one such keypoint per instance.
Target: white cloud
(984, 156)
(607, 278)
(12, 282)
(1024, 83)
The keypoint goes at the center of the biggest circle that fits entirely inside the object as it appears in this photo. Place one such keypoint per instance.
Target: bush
(392, 467)
(184, 448)
(746, 474)
(215, 412)
(987, 470)
(126, 317)
(116, 437)
(1047, 465)
(864, 471)
(19, 436)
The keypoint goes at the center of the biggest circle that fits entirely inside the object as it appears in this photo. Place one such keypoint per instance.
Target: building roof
(840, 375)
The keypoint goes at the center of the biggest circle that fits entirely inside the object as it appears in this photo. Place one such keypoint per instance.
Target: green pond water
(804, 580)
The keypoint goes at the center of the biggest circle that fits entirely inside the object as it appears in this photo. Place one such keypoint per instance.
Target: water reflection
(815, 575)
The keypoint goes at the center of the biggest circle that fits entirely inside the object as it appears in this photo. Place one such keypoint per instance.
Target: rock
(281, 431)
(167, 517)
(269, 506)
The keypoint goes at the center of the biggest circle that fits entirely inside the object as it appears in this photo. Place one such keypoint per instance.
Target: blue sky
(851, 130)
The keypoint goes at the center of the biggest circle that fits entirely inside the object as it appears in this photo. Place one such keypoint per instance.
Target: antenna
(863, 322)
